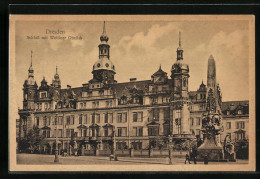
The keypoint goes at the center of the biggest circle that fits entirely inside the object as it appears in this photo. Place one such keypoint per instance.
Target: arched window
(59, 105)
(71, 104)
(123, 99)
(184, 82)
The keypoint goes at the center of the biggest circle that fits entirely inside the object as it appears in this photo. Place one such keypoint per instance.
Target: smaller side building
(236, 120)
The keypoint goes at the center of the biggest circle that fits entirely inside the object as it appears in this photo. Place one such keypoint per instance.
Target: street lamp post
(56, 160)
(170, 149)
(114, 147)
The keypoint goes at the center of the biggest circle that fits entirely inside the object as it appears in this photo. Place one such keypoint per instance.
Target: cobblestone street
(40, 159)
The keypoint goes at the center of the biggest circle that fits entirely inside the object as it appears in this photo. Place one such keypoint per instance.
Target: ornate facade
(139, 112)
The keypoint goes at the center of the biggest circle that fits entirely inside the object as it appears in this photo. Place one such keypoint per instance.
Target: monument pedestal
(211, 149)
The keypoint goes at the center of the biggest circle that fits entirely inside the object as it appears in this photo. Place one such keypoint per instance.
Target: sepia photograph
(132, 93)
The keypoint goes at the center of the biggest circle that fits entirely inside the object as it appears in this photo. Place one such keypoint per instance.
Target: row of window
(239, 125)
(158, 89)
(198, 107)
(121, 132)
(90, 93)
(201, 96)
(237, 112)
(238, 136)
(154, 100)
(197, 121)
(82, 105)
(38, 106)
(95, 118)
(123, 145)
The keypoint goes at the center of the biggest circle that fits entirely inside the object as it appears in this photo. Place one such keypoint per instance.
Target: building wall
(104, 95)
(233, 120)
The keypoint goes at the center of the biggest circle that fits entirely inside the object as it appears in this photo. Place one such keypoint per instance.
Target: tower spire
(104, 37)
(31, 57)
(179, 39)
(56, 82)
(179, 49)
(30, 70)
(104, 28)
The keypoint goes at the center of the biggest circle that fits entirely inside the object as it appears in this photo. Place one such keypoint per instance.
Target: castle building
(141, 113)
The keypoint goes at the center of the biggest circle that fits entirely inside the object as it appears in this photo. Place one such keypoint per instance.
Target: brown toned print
(132, 93)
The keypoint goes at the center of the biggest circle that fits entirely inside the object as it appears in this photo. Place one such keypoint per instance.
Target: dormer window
(43, 94)
(39, 106)
(84, 94)
(59, 105)
(46, 105)
(90, 94)
(101, 93)
(71, 104)
(95, 104)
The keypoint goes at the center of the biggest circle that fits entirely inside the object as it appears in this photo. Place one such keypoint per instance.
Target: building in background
(141, 113)
(236, 120)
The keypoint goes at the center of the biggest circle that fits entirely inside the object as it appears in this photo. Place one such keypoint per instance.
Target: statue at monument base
(211, 147)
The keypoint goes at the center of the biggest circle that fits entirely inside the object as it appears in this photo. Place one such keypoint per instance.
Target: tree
(32, 140)
(242, 149)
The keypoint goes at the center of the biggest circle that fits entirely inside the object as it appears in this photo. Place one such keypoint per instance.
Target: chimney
(132, 79)
(68, 87)
(85, 85)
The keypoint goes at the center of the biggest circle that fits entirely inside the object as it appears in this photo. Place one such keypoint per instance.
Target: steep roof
(232, 105)
(160, 72)
(235, 106)
(123, 88)
(192, 93)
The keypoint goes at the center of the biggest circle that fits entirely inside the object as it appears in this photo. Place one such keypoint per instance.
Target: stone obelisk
(212, 120)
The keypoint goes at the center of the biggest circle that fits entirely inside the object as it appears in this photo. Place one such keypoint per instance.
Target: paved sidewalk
(41, 159)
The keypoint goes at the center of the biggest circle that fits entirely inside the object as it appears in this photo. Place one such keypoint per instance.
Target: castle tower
(180, 97)
(30, 89)
(56, 82)
(180, 75)
(104, 69)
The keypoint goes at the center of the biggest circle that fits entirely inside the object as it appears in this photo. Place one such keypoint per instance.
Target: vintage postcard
(132, 93)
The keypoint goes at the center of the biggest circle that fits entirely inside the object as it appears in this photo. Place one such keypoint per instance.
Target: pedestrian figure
(194, 156)
(206, 160)
(195, 159)
(187, 158)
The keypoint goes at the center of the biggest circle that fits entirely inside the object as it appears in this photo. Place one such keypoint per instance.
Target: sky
(137, 50)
